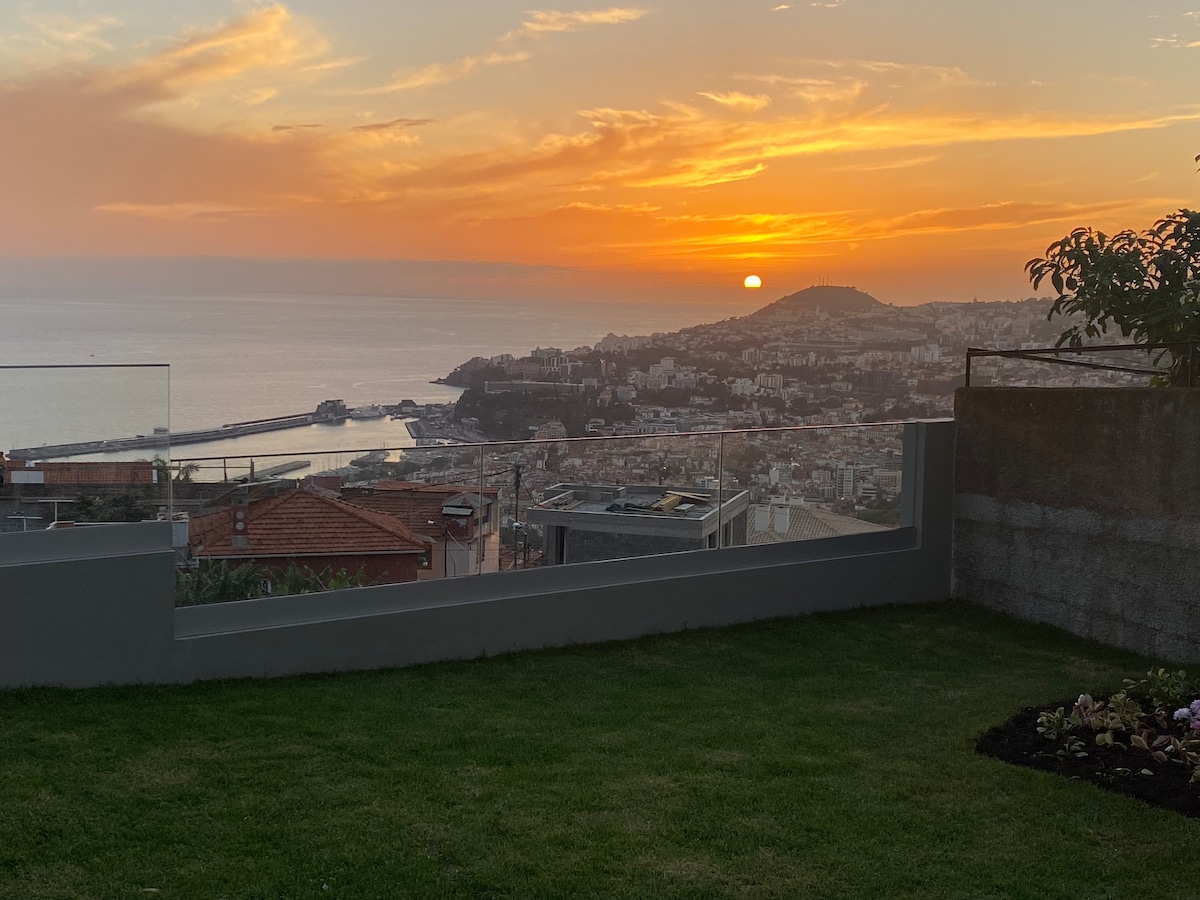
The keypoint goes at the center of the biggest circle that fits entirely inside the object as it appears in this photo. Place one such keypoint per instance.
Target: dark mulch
(1017, 741)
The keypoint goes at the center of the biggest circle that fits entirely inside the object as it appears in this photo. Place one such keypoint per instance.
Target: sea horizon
(234, 359)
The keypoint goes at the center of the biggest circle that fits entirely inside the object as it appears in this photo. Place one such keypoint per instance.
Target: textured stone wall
(1081, 508)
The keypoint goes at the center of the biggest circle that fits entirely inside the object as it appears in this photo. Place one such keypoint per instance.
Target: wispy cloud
(543, 22)
(393, 124)
(685, 149)
(909, 163)
(738, 101)
(213, 213)
(1174, 42)
(257, 96)
(440, 73)
(268, 38)
(334, 64)
(744, 236)
(50, 40)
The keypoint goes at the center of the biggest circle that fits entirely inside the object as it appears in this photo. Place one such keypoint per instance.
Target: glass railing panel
(419, 513)
(808, 483)
(84, 445)
(353, 517)
(571, 501)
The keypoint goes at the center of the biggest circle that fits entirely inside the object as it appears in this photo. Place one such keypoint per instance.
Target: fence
(94, 606)
(1181, 368)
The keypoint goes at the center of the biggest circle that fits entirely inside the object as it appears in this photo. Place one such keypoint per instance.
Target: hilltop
(828, 298)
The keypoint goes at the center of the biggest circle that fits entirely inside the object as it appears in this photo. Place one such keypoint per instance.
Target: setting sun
(753, 282)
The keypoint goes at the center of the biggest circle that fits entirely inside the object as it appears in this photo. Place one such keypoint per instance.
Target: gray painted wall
(1081, 508)
(77, 616)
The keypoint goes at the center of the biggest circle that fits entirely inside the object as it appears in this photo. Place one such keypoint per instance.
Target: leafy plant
(1165, 689)
(1145, 285)
(1156, 731)
(1059, 728)
(220, 583)
(217, 582)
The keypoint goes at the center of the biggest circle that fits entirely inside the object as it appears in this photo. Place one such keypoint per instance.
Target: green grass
(829, 756)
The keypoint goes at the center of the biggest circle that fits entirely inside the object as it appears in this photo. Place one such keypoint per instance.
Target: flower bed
(1143, 741)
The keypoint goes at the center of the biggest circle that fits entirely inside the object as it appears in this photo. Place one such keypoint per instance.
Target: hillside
(829, 298)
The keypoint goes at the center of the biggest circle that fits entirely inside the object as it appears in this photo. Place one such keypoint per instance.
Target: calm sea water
(236, 359)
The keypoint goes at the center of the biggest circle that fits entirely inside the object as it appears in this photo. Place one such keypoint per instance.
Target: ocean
(237, 359)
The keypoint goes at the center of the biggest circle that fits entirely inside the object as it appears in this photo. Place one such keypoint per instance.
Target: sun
(752, 282)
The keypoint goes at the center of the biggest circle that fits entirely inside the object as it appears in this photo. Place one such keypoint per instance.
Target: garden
(1142, 741)
(827, 756)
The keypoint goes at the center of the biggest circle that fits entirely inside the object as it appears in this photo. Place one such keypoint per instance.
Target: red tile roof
(303, 523)
(441, 489)
(416, 511)
(413, 503)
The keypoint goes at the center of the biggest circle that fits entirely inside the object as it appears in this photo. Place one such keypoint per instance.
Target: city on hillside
(768, 427)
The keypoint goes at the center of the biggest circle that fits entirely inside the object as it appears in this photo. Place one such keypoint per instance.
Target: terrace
(829, 755)
(823, 745)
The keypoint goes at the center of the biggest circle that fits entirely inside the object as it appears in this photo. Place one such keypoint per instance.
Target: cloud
(780, 7)
(440, 73)
(52, 40)
(738, 101)
(888, 166)
(393, 124)
(543, 22)
(214, 213)
(296, 127)
(1174, 41)
(267, 38)
(610, 207)
(257, 96)
(744, 236)
(334, 64)
(685, 149)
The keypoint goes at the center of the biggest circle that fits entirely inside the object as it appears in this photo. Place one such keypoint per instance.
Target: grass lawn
(829, 756)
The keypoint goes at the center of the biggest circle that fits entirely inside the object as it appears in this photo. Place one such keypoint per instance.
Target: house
(78, 474)
(313, 529)
(32, 493)
(464, 526)
(588, 522)
(775, 522)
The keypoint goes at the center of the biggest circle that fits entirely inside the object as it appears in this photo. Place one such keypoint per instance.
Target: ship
(374, 411)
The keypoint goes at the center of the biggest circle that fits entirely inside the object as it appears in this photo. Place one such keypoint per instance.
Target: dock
(329, 412)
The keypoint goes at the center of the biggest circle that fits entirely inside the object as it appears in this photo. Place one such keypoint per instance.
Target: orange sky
(920, 149)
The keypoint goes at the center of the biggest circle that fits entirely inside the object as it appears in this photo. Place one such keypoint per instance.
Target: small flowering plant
(1121, 722)
(1142, 741)
(1190, 717)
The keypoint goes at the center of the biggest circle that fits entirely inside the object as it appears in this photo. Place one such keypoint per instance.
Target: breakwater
(329, 412)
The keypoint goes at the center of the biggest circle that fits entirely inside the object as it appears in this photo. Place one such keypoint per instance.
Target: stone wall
(1081, 508)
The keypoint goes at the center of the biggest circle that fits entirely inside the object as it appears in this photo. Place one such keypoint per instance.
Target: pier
(328, 412)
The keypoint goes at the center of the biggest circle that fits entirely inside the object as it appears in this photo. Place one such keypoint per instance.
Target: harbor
(328, 412)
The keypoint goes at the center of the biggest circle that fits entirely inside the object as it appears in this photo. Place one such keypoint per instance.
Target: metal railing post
(720, 488)
(482, 538)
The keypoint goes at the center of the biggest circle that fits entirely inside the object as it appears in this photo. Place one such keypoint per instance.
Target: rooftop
(634, 500)
(305, 521)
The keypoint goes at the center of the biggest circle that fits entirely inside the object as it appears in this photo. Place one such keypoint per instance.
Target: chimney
(241, 520)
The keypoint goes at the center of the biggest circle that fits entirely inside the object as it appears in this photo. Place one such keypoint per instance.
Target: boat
(374, 411)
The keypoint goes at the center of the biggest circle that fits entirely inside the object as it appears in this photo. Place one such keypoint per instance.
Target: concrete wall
(78, 631)
(84, 606)
(1081, 508)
